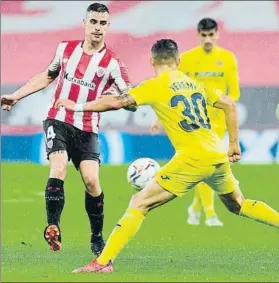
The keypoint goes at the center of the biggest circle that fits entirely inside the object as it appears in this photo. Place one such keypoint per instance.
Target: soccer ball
(141, 171)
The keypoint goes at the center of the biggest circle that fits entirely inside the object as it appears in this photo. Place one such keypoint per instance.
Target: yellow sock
(126, 228)
(196, 204)
(207, 199)
(260, 212)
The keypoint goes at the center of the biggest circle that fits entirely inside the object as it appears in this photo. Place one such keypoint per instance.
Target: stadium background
(30, 32)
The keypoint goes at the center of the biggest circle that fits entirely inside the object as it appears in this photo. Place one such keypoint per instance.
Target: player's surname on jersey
(176, 86)
(130, 164)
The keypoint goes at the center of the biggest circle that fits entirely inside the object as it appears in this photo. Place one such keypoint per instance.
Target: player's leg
(174, 179)
(86, 159)
(153, 195)
(253, 209)
(94, 203)
(227, 186)
(207, 200)
(194, 210)
(204, 196)
(56, 148)
(206, 193)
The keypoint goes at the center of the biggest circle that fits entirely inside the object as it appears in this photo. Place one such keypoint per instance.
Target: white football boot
(193, 216)
(213, 221)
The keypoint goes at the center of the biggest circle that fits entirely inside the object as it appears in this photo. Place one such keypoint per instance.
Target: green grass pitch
(165, 249)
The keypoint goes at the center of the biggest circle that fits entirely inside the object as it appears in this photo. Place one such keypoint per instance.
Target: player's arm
(107, 103)
(37, 83)
(233, 80)
(215, 99)
(140, 95)
(122, 81)
(229, 107)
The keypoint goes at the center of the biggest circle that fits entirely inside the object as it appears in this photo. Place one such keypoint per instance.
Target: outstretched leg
(227, 186)
(153, 195)
(253, 209)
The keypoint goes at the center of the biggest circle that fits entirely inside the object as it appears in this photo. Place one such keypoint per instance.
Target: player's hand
(154, 128)
(8, 101)
(66, 103)
(234, 152)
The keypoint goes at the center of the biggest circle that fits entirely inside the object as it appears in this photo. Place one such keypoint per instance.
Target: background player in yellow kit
(214, 67)
(180, 104)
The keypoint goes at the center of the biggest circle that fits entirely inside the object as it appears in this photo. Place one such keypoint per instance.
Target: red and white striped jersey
(84, 78)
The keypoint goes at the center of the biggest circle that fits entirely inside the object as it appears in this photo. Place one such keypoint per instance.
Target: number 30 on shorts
(196, 118)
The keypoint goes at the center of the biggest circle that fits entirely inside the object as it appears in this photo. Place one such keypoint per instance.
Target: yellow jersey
(217, 70)
(180, 105)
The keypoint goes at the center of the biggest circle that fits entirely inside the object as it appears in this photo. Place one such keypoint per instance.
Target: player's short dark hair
(97, 7)
(164, 49)
(207, 24)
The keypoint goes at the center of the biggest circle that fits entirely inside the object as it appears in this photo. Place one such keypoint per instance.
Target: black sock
(95, 209)
(54, 196)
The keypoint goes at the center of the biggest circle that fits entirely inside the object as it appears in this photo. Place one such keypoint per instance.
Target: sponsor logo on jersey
(219, 63)
(79, 81)
(209, 74)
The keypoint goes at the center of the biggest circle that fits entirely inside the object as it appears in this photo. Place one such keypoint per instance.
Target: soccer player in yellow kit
(214, 67)
(181, 106)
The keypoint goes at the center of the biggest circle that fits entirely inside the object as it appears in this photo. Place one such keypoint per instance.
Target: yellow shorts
(178, 176)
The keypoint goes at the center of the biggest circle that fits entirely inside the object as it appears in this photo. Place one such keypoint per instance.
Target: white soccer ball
(141, 171)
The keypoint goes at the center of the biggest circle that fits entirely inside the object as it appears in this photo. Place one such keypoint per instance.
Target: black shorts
(79, 145)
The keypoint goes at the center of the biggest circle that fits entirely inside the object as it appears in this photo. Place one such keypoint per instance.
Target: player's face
(208, 39)
(96, 25)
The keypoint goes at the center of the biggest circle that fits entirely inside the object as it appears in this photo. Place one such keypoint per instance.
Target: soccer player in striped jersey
(85, 69)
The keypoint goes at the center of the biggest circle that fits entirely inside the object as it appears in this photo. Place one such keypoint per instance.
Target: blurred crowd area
(31, 31)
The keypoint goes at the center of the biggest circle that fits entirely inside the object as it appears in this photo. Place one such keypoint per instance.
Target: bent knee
(58, 171)
(235, 205)
(139, 203)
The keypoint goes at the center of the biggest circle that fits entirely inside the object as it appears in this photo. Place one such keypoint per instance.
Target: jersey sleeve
(55, 65)
(119, 76)
(183, 65)
(143, 94)
(233, 79)
(213, 95)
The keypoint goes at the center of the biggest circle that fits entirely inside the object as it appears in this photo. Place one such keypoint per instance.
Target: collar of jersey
(99, 51)
(214, 50)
